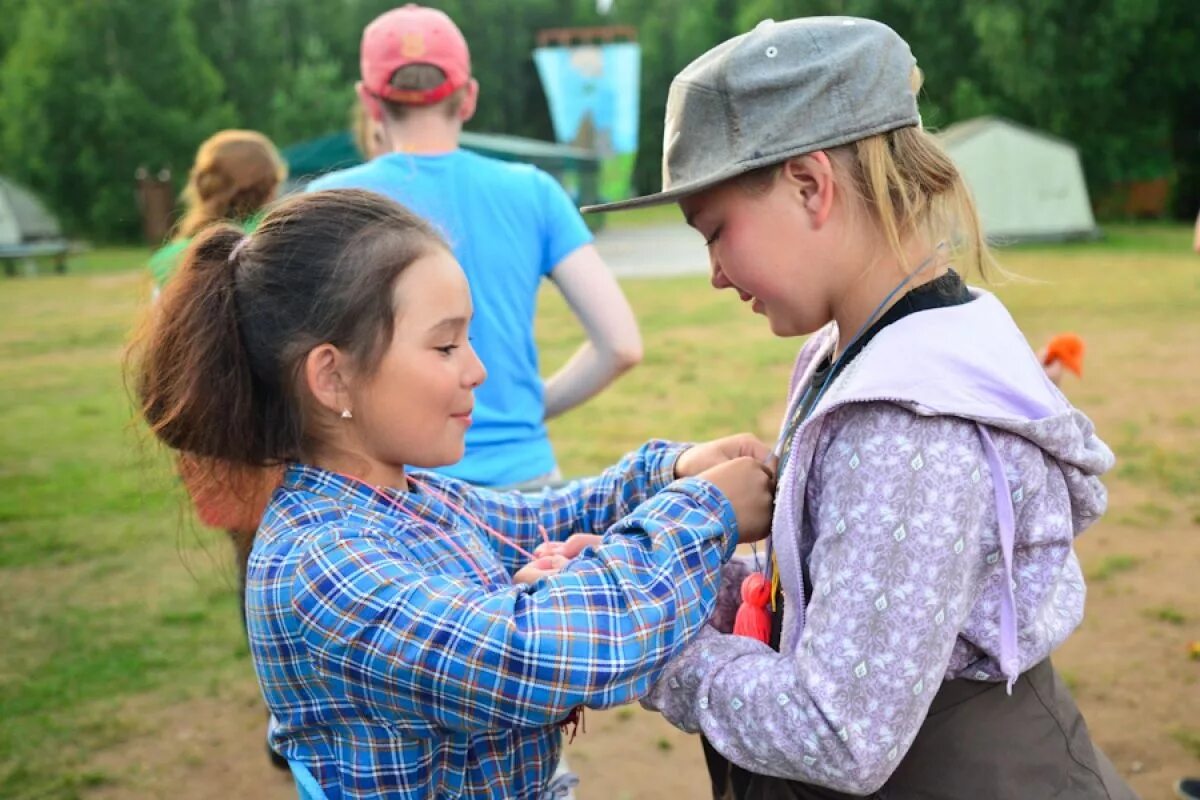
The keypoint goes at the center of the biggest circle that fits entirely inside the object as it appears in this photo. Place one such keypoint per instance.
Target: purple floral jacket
(927, 513)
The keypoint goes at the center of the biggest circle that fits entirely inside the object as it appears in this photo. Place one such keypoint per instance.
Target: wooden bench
(25, 255)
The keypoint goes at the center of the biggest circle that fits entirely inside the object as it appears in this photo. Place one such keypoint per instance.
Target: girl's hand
(539, 568)
(749, 485)
(1054, 370)
(550, 557)
(571, 547)
(700, 457)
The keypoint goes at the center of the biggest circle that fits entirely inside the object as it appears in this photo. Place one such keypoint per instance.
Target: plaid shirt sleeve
(422, 649)
(590, 505)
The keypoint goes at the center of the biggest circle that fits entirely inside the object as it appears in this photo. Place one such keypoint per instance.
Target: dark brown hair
(420, 78)
(217, 366)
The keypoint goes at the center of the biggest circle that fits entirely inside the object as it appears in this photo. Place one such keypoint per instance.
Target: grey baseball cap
(781, 90)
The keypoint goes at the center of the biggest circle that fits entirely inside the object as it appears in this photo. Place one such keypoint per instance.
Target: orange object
(1067, 348)
(229, 498)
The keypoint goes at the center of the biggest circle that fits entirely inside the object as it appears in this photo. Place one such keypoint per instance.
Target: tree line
(90, 90)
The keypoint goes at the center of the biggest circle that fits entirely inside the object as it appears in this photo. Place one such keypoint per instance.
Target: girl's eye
(447, 350)
(713, 239)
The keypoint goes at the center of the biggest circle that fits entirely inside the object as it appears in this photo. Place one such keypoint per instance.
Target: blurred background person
(510, 226)
(236, 175)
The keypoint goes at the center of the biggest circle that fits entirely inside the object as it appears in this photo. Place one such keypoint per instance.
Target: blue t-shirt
(509, 225)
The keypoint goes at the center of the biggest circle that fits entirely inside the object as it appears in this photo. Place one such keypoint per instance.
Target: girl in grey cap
(932, 479)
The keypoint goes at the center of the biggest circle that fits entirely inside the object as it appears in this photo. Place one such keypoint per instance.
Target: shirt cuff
(706, 495)
(661, 456)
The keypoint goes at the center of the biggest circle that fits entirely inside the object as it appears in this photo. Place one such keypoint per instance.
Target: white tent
(27, 231)
(1028, 185)
(23, 219)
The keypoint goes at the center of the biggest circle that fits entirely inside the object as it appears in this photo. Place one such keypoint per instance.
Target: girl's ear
(811, 178)
(323, 368)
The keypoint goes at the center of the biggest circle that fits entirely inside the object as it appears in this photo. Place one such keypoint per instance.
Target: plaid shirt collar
(375, 500)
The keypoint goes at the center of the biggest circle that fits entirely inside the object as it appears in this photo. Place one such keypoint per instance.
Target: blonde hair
(367, 139)
(909, 186)
(235, 174)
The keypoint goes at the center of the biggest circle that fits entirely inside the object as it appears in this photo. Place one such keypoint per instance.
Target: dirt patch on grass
(213, 747)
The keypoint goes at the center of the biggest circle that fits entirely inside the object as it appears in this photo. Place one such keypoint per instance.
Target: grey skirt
(977, 743)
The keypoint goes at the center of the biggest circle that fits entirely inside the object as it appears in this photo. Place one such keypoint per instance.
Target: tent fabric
(23, 218)
(1028, 185)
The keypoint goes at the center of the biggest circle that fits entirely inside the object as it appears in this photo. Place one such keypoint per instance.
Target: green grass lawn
(113, 595)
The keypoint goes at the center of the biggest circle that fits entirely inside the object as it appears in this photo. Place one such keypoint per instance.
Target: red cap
(413, 35)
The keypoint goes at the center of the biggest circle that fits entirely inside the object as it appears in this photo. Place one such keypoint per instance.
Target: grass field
(123, 672)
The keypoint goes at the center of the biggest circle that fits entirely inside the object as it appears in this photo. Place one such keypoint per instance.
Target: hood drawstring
(1010, 662)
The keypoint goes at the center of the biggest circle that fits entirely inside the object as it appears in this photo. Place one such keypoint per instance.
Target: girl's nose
(476, 372)
(719, 281)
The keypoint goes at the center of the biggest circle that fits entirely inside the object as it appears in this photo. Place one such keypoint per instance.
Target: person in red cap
(510, 225)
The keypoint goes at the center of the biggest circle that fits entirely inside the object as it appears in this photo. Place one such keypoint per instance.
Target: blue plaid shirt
(392, 671)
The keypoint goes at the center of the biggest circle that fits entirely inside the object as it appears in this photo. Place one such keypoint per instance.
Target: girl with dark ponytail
(406, 641)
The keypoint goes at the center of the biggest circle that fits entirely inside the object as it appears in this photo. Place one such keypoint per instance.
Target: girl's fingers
(539, 568)
(573, 546)
(578, 542)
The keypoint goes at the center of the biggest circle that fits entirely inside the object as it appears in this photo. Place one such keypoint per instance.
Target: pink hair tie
(237, 248)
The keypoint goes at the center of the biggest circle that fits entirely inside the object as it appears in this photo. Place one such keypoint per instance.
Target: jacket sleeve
(590, 505)
(422, 650)
(899, 505)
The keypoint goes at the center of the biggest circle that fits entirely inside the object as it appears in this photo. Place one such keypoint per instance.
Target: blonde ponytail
(914, 189)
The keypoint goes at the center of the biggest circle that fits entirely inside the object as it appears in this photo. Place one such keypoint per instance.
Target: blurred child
(401, 643)
(235, 175)
(932, 479)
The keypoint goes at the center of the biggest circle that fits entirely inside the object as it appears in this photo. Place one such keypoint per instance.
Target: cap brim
(669, 196)
(645, 201)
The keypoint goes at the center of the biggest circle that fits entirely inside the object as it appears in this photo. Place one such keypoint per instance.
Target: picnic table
(24, 255)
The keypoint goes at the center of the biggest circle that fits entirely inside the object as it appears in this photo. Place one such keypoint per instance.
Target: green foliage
(1189, 739)
(323, 93)
(92, 89)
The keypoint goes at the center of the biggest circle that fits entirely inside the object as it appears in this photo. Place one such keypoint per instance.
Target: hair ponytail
(193, 377)
(236, 173)
(912, 187)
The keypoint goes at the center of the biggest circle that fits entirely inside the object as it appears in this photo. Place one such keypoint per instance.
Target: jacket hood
(972, 361)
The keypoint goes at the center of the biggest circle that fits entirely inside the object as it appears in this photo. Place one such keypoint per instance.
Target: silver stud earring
(346, 414)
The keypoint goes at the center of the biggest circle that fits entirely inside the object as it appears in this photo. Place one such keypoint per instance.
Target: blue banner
(596, 82)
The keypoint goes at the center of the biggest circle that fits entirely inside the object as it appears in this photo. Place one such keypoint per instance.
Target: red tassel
(752, 618)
